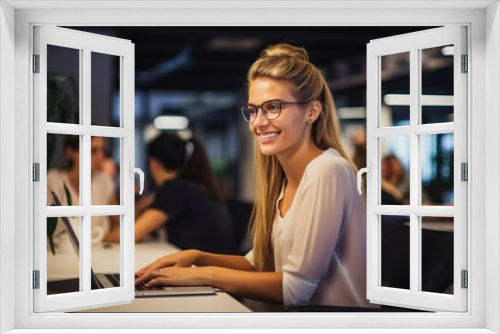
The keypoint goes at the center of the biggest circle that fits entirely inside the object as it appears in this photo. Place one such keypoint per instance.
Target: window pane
(437, 84)
(437, 169)
(63, 265)
(63, 85)
(106, 257)
(395, 250)
(63, 169)
(105, 169)
(395, 99)
(395, 170)
(437, 254)
(105, 90)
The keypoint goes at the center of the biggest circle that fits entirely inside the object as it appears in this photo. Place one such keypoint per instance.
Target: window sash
(413, 42)
(86, 43)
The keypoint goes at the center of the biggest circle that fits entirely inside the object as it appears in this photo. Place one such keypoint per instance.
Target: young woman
(309, 222)
(103, 190)
(186, 201)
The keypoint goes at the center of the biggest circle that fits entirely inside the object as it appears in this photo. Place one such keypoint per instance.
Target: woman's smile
(268, 137)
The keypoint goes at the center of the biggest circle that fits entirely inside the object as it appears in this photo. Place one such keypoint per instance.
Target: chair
(240, 212)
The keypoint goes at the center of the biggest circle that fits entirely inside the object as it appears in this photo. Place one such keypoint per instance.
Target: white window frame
(483, 248)
(413, 43)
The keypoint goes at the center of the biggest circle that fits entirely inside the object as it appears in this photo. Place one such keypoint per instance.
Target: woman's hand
(181, 259)
(178, 276)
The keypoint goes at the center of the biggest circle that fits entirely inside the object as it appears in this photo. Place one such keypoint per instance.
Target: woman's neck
(164, 176)
(294, 164)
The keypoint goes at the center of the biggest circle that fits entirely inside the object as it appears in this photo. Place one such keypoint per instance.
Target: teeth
(268, 135)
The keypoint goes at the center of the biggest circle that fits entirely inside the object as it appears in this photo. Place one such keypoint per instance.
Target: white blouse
(320, 244)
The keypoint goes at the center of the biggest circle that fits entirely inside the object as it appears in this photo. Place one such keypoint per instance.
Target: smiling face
(284, 135)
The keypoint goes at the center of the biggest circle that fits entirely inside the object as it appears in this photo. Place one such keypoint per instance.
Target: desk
(62, 266)
(438, 225)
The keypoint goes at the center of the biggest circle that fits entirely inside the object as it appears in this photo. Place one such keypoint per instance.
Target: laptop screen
(95, 284)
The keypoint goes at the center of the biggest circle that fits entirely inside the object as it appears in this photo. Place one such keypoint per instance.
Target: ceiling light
(448, 50)
(171, 122)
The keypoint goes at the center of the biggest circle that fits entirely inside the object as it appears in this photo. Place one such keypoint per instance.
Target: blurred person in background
(103, 191)
(110, 167)
(394, 181)
(359, 157)
(186, 202)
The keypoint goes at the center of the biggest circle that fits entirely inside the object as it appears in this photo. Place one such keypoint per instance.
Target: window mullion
(109, 210)
(85, 188)
(66, 211)
(434, 128)
(415, 80)
(66, 129)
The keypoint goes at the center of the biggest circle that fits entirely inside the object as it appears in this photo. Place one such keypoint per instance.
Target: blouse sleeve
(249, 257)
(322, 201)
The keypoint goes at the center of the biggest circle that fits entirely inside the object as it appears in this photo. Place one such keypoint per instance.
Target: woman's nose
(260, 119)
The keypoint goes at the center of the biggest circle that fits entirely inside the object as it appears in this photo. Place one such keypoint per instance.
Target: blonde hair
(284, 62)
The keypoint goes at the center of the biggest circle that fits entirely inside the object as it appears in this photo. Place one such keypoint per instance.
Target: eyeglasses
(270, 109)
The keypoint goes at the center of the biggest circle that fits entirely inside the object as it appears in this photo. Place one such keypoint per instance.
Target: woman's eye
(275, 107)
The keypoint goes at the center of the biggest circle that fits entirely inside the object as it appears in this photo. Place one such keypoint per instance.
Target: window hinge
(36, 172)
(36, 63)
(465, 64)
(464, 171)
(465, 279)
(36, 279)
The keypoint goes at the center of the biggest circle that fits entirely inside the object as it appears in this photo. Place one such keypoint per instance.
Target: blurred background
(191, 80)
(194, 77)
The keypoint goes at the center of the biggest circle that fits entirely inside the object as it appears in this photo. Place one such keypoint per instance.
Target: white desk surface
(442, 226)
(220, 302)
(104, 260)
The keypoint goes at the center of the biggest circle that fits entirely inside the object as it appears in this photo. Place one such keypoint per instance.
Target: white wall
(492, 144)
(286, 16)
(7, 186)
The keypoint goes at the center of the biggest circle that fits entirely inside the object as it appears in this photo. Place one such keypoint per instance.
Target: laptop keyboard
(115, 280)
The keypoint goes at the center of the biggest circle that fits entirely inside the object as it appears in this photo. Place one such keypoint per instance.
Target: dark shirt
(388, 199)
(195, 219)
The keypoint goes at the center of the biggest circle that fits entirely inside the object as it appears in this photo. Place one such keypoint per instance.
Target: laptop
(103, 281)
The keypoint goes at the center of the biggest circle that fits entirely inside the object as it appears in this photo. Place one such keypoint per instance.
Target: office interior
(191, 81)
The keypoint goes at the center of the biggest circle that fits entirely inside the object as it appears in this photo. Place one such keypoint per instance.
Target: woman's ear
(314, 111)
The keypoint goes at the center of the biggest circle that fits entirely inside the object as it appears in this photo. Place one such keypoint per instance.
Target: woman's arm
(265, 286)
(187, 258)
(237, 262)
(148, 222)
(143, 203)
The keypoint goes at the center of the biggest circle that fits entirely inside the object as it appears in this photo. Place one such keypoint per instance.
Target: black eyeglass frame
(257, 107)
